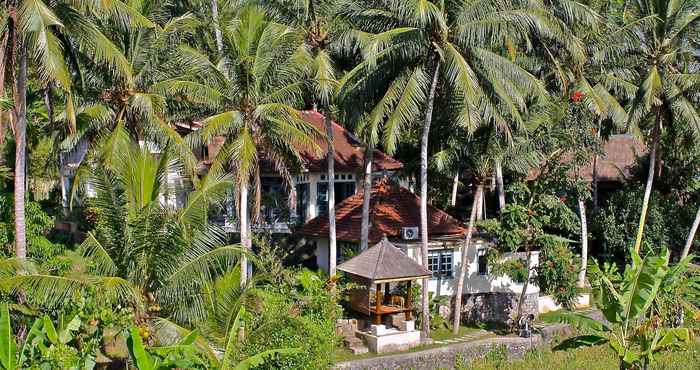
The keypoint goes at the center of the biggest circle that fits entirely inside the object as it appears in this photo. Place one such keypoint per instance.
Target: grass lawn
(445, 333)
(599, 357)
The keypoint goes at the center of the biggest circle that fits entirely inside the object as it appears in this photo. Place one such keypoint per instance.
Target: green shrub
(557, 273)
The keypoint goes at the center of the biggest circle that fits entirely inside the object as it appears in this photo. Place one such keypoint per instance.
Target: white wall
(473, 282)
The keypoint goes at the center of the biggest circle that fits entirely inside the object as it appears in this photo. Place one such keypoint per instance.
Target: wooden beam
(378, 305)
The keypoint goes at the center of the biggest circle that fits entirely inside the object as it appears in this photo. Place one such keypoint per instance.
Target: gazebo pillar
(409, 301)
(378, 305)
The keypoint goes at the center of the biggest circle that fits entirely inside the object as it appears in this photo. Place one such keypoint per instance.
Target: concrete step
(358, 350)
(353, 340)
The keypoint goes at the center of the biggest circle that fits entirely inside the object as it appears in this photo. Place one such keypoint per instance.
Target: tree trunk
(521, 299)
(243, 225)
(217, 27)
(332, 253)
(691, 235)
(366, 194)
(20, 113)
(455, 186)
(3, 64)
(499, 185)
(457, 311)
(650, 181)
(584, 243)
(424, 197)
(595, 173)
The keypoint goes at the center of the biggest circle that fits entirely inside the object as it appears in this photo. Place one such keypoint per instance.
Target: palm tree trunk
(691, 235)
(332, 253)
(366, 194)
(650, 181)
(584, 243)
(595, 173)
(424, 196)
(499, 185)
(20, 113)
(243, 225)
(457, 312)
(455, 185)
(3, 64)
(217, 27)
(521, 299)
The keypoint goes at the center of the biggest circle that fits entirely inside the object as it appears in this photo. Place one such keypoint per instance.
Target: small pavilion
(382, 265)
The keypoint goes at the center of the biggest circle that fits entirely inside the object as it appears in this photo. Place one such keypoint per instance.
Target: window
(302, 201)
(342, 191)
(483, 268)
(440, 263)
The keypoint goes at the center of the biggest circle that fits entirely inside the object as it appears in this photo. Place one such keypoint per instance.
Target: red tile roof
(391, 208)
(349, 151)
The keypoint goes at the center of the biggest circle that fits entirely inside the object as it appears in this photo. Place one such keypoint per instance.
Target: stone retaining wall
(446, 357)
(495, 307)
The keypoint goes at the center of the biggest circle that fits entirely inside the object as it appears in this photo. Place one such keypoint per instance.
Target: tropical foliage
(127, 127)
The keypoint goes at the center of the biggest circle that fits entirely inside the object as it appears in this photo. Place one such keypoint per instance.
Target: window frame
(445, 263)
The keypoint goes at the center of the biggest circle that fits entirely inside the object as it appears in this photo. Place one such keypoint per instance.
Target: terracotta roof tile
(349, 151)
(391, 208)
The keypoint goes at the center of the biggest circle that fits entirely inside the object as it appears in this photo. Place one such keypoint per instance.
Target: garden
(159, 158)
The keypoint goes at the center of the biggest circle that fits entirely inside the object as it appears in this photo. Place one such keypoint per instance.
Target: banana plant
(180, 355)
(11, 357)
(193, 346)
(634, 333)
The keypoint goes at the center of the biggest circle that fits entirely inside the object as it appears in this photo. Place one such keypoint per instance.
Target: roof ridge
(379, 258)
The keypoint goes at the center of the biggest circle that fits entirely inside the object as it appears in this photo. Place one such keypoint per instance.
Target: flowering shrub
(557, 273)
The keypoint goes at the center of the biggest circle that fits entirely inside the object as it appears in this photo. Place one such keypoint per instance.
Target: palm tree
(666, 90)
(152, 91)
(142, 251)
(43, 33)
(691, 235)
(416, 49)
(314, 19)
(257, 87)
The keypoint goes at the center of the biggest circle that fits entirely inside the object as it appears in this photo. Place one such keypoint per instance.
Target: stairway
(355, 344)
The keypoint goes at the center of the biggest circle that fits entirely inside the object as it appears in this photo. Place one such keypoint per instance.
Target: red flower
(577, 96)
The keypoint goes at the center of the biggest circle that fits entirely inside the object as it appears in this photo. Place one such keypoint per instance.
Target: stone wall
(495, 306)
(446, 357)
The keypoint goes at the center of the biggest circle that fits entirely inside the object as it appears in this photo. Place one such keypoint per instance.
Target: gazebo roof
(384, 262)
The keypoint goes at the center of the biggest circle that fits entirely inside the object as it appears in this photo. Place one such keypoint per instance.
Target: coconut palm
(417, 52)
(141, 250)
(40, 34)
(315, 20)
(666, 90)
(258, 86)
(153, 92)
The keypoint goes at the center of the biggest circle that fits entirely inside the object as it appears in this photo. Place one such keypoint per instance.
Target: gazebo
(382, 265)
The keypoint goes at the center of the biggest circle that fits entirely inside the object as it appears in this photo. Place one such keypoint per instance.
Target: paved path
(465, 338)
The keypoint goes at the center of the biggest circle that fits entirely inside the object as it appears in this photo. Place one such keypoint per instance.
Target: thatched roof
(384, 262)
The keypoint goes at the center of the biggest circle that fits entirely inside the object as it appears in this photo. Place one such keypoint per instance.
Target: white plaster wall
(322, 252)
(473, 282)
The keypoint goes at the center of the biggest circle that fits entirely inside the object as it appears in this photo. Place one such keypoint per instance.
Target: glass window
(302, 201)
(440, 263)
(343, 190)
(322, 198)
(482, 262)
